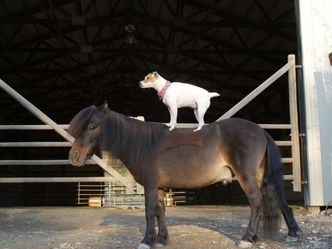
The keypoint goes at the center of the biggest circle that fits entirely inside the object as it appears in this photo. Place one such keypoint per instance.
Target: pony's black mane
(131, 140)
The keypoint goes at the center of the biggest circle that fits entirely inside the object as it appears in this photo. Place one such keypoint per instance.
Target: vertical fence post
(79, 193)
(293, 112)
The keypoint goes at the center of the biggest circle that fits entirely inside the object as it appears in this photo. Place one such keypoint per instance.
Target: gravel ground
(190, 227)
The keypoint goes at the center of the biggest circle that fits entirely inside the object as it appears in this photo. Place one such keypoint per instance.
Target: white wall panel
(316, 42)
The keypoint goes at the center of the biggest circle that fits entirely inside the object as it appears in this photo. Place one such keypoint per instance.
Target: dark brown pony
(159, 159)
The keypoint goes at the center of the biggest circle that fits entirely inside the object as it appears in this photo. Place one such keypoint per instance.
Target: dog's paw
(171, 128)
(198, 128)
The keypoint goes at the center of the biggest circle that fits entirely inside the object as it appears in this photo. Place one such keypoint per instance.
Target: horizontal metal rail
(55, 179)
(30, 127)
(38, 162)
(35, 144)
(264, 126)
(67, 144)
(283, 143)
(288, 177)
(287, 160)
(24, 180)
(178, 125)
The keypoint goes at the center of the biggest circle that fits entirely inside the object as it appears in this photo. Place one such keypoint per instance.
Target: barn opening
(64, 55)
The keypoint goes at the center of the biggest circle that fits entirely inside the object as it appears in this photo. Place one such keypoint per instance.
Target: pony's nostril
(76, 155)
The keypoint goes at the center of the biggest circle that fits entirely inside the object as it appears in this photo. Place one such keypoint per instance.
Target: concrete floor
(190, 227)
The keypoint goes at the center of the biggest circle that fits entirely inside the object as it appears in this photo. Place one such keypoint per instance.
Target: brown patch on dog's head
(151, 77)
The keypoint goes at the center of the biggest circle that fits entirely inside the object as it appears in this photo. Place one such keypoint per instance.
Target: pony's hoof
(143, 246)
(158, 245)
(244, 244)
(291, 238)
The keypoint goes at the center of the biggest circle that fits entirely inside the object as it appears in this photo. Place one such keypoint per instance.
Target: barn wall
(316, 42)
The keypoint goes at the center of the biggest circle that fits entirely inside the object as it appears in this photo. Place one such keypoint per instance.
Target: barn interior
(64, 55)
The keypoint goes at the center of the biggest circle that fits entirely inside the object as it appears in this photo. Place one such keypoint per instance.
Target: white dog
(176, 95)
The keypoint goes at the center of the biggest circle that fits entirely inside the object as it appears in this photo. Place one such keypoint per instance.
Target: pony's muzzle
(75, 158)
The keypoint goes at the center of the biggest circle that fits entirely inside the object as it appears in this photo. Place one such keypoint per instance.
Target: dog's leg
(173, 111)
(201, 109)
(196, 114)
(169, 111)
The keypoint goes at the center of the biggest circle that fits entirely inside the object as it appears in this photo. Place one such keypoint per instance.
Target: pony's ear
(104, 107)
(155, 74)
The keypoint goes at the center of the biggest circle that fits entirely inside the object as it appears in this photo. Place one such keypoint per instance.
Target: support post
(293, 113)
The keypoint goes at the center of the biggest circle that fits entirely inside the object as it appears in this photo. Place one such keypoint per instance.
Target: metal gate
(293, 161)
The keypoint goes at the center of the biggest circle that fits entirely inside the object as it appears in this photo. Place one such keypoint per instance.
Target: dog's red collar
(162, 92)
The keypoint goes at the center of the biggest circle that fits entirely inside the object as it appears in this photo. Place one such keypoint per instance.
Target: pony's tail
(272, 189)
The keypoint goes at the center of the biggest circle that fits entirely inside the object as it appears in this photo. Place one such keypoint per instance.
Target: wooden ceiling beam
(238, 19)
(50, 56)
(30, 11)
(64, 30)
(128, 70)
(125, 51)
(107, 21)
(207, 38)
(263, 10)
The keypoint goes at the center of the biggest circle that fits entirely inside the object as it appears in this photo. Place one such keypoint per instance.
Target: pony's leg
(150, 215)
(162, 228)
(254, 195)
(287, 213)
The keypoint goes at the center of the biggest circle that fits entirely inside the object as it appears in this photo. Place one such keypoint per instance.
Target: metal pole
(54, 179)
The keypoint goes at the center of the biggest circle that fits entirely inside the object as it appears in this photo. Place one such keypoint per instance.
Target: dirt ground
(190, 227)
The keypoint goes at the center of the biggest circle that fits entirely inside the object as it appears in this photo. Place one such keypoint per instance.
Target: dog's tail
(214, 94)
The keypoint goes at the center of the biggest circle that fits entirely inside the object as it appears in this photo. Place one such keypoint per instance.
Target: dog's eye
(92, 126)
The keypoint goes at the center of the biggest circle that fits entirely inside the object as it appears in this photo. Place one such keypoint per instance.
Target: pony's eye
(92, 127)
